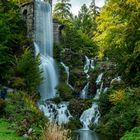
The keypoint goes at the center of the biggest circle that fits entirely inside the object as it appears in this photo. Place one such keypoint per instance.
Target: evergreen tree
(62, 10)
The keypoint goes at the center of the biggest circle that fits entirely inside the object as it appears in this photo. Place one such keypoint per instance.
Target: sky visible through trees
(76, 4)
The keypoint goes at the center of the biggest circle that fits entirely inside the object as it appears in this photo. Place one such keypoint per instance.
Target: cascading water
(99, 78)
(68, 74)
(43, 42)
(56, 113)
(89, 64)
(84, 91)
(44, 46)
(92, 115)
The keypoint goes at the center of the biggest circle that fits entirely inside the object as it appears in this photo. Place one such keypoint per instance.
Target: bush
(104, 103)
(2, 106)
(25, 73)
(65, 91)
(57, 100)
(74, 124)
(76, 107)
(117, 96)
(133, 135)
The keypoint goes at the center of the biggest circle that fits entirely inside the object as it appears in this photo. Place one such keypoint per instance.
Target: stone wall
(27, 13)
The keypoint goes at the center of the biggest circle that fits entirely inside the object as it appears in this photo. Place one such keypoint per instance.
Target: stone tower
(27, 13)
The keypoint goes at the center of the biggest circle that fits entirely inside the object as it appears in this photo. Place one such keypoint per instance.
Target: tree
(118, 36)
(94, 12)
(25, 73)
(62, 10)
(83, 20)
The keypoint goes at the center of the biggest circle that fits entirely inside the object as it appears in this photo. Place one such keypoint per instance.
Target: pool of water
(89, 135)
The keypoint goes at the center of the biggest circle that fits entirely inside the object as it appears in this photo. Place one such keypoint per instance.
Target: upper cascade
(44, 27)
(43, 43)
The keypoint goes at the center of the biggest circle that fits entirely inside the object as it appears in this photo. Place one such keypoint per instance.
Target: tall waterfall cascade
(43, 43)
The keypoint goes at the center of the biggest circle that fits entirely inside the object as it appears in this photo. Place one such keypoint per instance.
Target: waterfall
(68, 74)
(89, 64)
(84, 92)
(92, 115)
(99, 78)
(56, 113)
(43, 42)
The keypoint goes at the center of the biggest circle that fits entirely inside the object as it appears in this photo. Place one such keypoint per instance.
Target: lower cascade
(56, 113)
(92, 115)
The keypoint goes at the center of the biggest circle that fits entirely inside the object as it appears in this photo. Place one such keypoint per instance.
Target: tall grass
(55, 132)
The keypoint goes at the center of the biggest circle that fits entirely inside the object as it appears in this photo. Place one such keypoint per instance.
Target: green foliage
(2, 106)
(25, 73)
(20, 2)
(85, 20)
(117, 96)
(78, 42)
(64, 91)
(74, 124)
(7, 132)
(13, 35)
(25, 114)
(133, 135)
(76, 107)
(118, 36)
(104, 103)
(123, 116)
(62, 10)
(57, 100)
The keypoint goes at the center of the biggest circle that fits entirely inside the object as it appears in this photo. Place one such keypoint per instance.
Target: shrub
(104, 103)
(2, 106)
(55, 132)
(74, 124)
(64, 91)
(76, 107)
(133, 135)
(117, 96)
(25, 73)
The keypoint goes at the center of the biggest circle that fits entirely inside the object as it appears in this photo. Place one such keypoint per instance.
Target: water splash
(56, 113)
